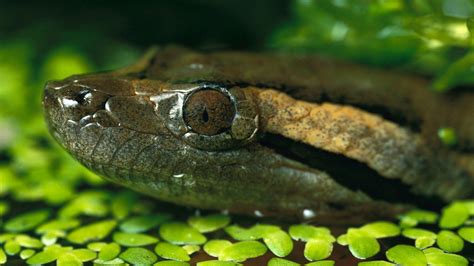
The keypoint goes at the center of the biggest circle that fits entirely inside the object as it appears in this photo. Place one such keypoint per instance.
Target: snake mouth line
(350, 173)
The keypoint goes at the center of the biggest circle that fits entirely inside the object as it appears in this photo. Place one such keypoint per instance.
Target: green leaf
(316, 249)
(342, 240)
(443, 259)
(51, 237)
(68, 259)
(422, 216)
(181, 233)
(454, 215)
(242, 251)
(469, 204)
(84, 254)
(26, 254)
(375, 263)
(321, 263)
(406, 255)
(96, 246)
(432, 250)
(47, 256)
(217, 263)
(171, 263)
(89, 203)
(26, 221)
(190, 249)
(143, 223)
(281, 262)
(12, 247)
(448, 136)
(109, 252)
(114, 262)
(467, 233)
(138, 256)
(58, 225)
(28, 242)
(170, 251)
(209, 223)
(3, 256)
(381, 229)
(92, 232)
(449, 241)
(4, 208)
(279, 242)
(305, 232)
(361, 244)
(414, 233)
(424, 242)
(5, 237)
(134, 240)
(255, 232)
(214, 247)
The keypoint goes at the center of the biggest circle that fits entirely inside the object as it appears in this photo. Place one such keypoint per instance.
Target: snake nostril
(83, 97)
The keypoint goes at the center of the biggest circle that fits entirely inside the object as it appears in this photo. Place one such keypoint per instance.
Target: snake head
(185, 137)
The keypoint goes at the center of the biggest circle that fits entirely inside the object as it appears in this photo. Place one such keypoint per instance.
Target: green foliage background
(45, 41)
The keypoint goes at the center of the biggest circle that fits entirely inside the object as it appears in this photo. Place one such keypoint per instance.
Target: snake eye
(208, 112)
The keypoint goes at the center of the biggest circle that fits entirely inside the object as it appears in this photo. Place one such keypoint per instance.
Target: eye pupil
(205, 116)
(208, 112)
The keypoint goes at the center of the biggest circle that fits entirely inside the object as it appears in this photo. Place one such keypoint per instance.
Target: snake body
(267, 134)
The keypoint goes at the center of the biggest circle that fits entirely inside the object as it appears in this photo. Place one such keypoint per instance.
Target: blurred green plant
(431, 37)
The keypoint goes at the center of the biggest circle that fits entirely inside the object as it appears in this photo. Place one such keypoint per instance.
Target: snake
(268, 134)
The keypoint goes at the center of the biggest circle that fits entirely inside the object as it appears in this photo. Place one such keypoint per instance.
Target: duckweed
(321, 263)
(133, 240)
(445, 259)
(139, 224)
(381, 229)
(68, 259)
(214, 247)
(317, 249)
(181, 233)
(281, 262)
(449, 241)
(190, 249)
(361, 244)
(375, 263)
(454, 215)
(467, 233)
(424, 242)
(257, 231)
(92, 232)
(217, 263)
(138, 256)
(170, 251)
(141, 230)
(27, 253)
(58, 225)
(241, 251)
(171, 263)
(279, 243)
(205, 224)
(109, 251)
(306, 232)
(406, 255)
(26, 221)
